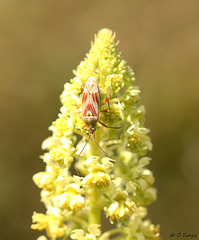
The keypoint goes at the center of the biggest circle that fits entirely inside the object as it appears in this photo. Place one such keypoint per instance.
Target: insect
(91, 107)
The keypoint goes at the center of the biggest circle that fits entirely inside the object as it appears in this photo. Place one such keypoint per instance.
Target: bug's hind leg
(84, 146)
(103, 124)
(99, 146)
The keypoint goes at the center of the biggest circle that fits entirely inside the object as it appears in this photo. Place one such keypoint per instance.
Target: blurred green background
(42, 41)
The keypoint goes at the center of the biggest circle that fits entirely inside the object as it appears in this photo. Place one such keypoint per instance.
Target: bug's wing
(91, 98)
(91, 102)
(85, 102)
(95, 103)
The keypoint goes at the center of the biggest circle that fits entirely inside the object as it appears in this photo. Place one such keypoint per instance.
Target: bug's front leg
(107, 100)
(109, 96)
(84, 125)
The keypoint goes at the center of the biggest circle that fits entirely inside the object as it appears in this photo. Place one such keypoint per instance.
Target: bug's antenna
(84, 146)
(89, 76)
(99, 146)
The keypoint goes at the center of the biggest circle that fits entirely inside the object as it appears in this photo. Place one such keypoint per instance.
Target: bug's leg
(107, 99)
(106, 110)
(99, 146)
(77, 110)
(84, 146)
(88, 77)
(84, 125)
(103, 124)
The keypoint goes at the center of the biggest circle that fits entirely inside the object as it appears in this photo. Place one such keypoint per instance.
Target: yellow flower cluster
(120, 208)
(97, 177)
(141, 229)
(44, 180)
(118, 183)
(52, 222)
(131, 97)
(137, 140)
(71, 199)
(92, 233)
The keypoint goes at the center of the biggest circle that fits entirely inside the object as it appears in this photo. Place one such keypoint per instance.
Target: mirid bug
(91, 107)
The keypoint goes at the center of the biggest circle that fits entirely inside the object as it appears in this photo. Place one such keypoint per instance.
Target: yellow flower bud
(71, 199)
(58, 154)
(137, 140)
(120, 210)
(89, 237)
(52, 222)
(117, 81)
(131, 97)
(42, 238)
(97, 177)
(40, 221)
(44, 180)
(62, 127)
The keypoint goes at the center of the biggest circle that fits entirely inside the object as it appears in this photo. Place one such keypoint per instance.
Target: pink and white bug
(91, 107)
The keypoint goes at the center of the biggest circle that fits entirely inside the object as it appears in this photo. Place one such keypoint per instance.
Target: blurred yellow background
(41, 42)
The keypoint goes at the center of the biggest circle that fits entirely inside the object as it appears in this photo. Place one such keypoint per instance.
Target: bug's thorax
(90, 119)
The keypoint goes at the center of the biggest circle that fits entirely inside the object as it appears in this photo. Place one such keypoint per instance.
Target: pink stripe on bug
(93, 109)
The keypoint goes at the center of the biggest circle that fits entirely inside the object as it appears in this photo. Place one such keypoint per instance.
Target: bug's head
(91, 130)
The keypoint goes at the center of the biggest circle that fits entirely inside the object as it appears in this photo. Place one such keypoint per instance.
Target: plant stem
(109, 233)
(94, 215)
(78, 221)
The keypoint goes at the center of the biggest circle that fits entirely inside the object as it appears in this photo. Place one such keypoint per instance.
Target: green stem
(109, 233)
(94, 215)
(77, 220)
(112, 142)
